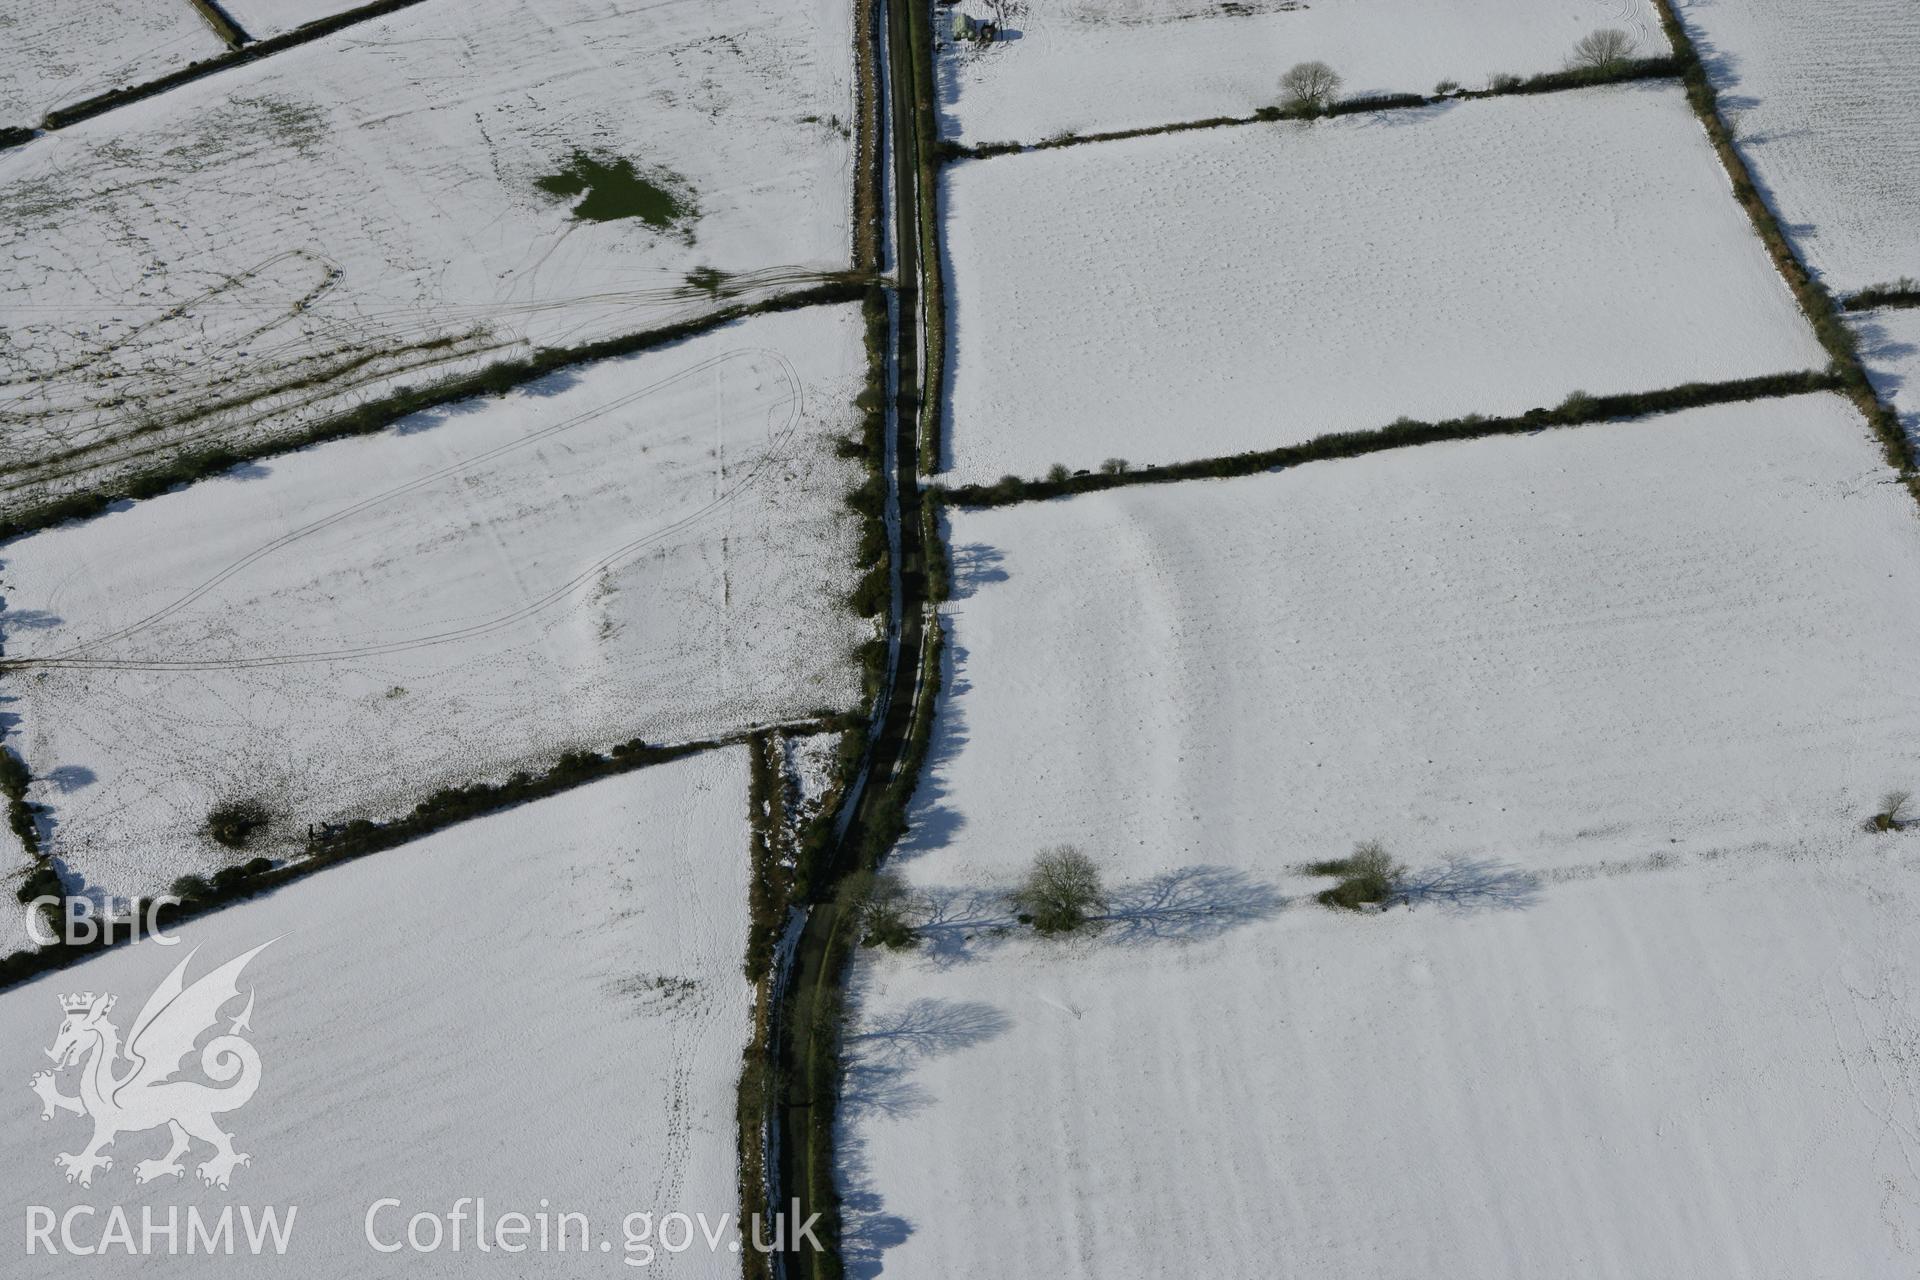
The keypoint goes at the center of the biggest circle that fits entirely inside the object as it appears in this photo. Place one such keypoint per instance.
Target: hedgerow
(949, 151)
(382, 412)
(1578, 409)
(1815, 302)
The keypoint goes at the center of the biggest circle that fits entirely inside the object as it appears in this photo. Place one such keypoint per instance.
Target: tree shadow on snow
(976, 565)
(880, 1060)
(1188, 904)
(27, 619)
(1401, 117)
(1469, 884)
(69, 778)
(1882, 353)
(887, 1049)
(1878, 347)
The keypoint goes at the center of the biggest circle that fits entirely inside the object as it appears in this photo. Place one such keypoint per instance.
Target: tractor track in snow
(82, 656)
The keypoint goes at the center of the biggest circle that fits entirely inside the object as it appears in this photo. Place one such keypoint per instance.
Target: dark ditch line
(377, 414)
(1815, 302)
(353, 840)
(245, 50)
(1577, 410)
(1668, 68)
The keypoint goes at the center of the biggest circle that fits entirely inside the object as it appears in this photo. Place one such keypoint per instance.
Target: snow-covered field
(240, 255)
(1702, 1071)
(1890, 348)
(1586, 643)
(1198, 294)
(1083, 66)
(1542, 669)
(653, 546)
(263, 18)
(1827, 97)
(52, 55)
(542, 1008)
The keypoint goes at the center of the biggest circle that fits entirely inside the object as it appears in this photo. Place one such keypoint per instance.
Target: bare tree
(1604, 50)
(888, 912)
(1309, 87)
(1369, 875)
(1893, 810)
(1062, 891)
(1375, 868)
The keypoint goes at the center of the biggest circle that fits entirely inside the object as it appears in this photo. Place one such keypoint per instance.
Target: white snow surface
(649, 547)
(1890, 348)
(53, 55)
(543, 1003)
(1619, 695)
(1591, 642)
(265, 246)
(1829, 106)
(1085, 66)
(263, 18)
(1689, 1072)
(810, 765)
(1206, 293)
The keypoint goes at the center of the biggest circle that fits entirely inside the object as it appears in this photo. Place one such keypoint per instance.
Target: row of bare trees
(1309, 89)
(1063, 891)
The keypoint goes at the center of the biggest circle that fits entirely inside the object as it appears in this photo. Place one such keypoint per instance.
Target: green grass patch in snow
(614, 188)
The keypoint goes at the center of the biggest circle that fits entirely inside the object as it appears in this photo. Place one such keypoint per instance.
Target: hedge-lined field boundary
(932, 290)
(769, 893)
(1577, 410)
(382, 412)
(1667, 68)
(1815, 302)
(445, 808)
(867, 204)
(243, 53)
(1903, 292)
(15, 777)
